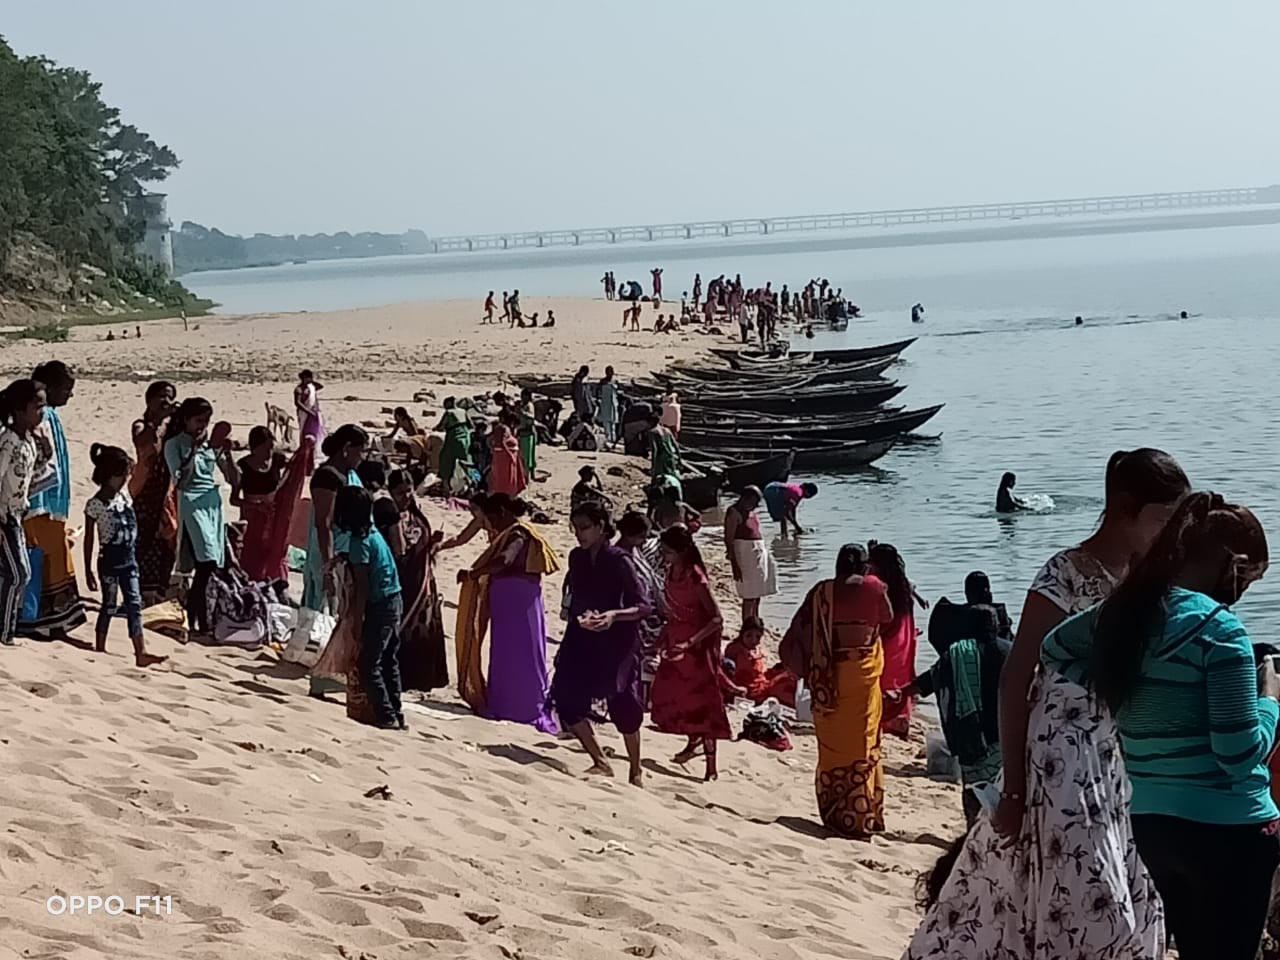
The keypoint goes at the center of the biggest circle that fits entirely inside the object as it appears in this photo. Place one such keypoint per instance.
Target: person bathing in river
(1006, 501)
(783, 500)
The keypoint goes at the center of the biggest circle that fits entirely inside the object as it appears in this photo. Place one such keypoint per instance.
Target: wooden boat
(703, 493)
(775, 468)
(836, 398)
(695, 390)
(815, 454)
(871, 428)
(848, 355)
(553, 387)
(730, 419)
(817, 373)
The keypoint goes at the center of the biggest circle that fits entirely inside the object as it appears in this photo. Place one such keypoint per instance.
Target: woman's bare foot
(100, 645)
(636, 779)
(688, 753)
(148, 659)
(599, 769)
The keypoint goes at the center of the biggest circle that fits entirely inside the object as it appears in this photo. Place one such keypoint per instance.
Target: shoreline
(273, 865)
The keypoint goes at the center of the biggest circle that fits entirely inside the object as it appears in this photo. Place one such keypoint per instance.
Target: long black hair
(595, 513)
(16, 396)
(347, 435)
(851, 561)
(1205, 529)
(189, 408)
(159, 389)
(1136, 478)
(892, 569)
(679, 540)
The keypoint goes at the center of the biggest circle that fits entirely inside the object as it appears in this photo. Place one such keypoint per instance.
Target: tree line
(73, 174)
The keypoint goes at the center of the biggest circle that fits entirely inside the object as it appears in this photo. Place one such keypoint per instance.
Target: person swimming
(917, 313)
(1006, 502)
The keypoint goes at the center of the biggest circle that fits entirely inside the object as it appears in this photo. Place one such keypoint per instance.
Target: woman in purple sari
(502, 594)
(599, 658)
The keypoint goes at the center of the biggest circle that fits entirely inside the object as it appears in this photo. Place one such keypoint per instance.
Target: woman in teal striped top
(1197, 722)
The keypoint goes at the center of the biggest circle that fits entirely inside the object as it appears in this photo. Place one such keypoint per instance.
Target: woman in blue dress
(195, 460)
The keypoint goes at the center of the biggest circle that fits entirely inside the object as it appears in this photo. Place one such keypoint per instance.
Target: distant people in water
(1182, 315)
(917, 313)
(1006, 502)
(1079, 321)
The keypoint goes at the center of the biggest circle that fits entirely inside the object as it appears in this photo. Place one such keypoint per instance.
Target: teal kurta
(202, 532)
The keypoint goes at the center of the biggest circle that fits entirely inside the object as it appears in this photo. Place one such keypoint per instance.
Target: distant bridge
(771, 226)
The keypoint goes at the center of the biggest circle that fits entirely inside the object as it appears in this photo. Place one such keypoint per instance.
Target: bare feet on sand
(599, 769)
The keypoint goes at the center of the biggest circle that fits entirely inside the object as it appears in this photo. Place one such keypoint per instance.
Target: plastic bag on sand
(309, 637)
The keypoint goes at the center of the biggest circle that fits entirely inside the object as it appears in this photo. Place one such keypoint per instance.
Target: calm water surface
(1025, 389)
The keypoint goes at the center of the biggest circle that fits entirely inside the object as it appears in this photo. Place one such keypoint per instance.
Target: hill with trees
(72, 178)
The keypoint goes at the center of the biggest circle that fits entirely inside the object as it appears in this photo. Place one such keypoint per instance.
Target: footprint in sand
(45, 691)
(177, 753)
(350, 842)
(598, 907)
(431, 931)
(285, 914)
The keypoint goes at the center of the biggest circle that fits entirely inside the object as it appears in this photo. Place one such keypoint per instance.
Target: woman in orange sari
(270, 487)
(506, 473)
(154, 499)
(834, 644)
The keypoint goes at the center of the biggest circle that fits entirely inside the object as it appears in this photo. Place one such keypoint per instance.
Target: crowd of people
(1114, 749)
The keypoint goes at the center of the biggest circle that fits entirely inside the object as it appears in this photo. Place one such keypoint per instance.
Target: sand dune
(216, 781)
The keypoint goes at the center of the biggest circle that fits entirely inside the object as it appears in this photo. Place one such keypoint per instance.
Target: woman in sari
(423, 664)
(502, 595)
(457, 441)
(527, 432)
(343, 450)
(269, 489)
(686, 691)
(506, 472)
(834, 644)
(635, 539)
(195, 459)
(306, 400)
(599, 658)
(1055, 871)
(154, 500)
(479, 523)
(898, 638)
(61, 609)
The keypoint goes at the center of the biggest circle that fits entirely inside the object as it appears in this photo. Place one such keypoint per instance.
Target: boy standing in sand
(489, 308)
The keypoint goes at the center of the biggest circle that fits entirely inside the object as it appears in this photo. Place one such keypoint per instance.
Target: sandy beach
(216, 781)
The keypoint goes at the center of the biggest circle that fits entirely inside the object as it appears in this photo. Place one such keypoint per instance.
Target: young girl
(24, 469)
(109, 513)
(750, 672)
(377, 595)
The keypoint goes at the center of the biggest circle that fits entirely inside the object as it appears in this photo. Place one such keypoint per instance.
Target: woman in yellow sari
(502, 595)
(834, 644)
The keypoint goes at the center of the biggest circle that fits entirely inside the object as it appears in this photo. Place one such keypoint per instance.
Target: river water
(1026, 390)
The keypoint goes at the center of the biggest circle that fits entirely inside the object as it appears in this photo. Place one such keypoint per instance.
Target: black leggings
(198, 597)
(1215, 881)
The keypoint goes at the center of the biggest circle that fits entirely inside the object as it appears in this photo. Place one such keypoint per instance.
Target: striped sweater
(1195, 734)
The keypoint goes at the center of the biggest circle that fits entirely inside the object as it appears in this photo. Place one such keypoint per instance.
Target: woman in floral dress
(1054, 873)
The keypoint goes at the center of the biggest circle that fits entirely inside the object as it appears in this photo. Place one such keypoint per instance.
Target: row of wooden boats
(751, 418)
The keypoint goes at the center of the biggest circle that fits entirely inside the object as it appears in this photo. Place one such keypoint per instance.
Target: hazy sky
(463, 116)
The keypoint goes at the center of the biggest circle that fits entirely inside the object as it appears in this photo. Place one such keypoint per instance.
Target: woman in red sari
(687, 696)
(897, 637)
(506, 474)
(269, 489)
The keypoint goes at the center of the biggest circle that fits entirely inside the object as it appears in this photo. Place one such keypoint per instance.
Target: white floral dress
(1072, 887)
